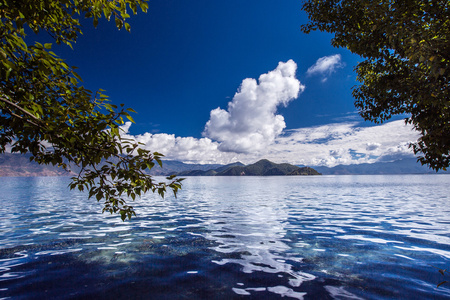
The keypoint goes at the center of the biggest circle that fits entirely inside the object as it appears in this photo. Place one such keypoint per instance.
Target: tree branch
(20, 108)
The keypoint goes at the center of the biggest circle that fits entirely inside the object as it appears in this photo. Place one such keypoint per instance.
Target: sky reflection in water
(327, 237)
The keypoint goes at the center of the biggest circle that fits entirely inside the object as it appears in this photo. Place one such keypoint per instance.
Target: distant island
(263, 167)
(20, 165)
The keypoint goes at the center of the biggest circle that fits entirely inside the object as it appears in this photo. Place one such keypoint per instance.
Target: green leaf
(144, 6)
(123, 215)
(402, 49)
(99, 196)
(7, 73)
(159, 162)
(130, 119)
(119, 23)
(54, 108)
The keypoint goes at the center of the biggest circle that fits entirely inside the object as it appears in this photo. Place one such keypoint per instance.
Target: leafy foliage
(44, 109)
(406, 70)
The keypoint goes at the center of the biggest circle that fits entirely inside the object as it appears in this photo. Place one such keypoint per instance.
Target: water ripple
(330, 237)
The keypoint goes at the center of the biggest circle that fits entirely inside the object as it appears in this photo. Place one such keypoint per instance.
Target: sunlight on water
(322, 237)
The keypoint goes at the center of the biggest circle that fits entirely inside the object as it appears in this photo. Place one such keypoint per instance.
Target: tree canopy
(406, 71)
(45, 110)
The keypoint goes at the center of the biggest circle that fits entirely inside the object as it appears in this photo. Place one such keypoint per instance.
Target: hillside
(260, 168)
(404, 166)
(170, 167)
(20, 165)
(209, 172)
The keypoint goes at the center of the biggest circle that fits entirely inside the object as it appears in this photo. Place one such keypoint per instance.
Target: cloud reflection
(255, 238)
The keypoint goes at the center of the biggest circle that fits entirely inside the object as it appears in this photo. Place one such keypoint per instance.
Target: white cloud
(251, 124)
(372, 146)
(250, 130)
(394, 153)
(344, 143)
(186, 149)
(325, 66)
(328, 145)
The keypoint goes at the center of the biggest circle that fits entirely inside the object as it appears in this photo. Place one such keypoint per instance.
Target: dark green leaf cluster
(406, 46)
(45, 111)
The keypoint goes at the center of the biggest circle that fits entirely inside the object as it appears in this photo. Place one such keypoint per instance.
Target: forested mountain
(260, 168)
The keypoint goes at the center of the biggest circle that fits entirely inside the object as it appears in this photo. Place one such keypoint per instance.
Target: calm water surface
(324, 237)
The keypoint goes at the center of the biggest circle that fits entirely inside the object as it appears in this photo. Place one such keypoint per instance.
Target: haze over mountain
(20, 165)
(403, 166)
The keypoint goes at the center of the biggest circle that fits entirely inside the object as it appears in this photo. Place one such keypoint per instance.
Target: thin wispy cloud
(325, 145)
(344, 143)
(250, 129)
(325, 66)
(250, 123)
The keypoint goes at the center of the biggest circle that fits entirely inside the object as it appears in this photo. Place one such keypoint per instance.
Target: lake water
(318, 237)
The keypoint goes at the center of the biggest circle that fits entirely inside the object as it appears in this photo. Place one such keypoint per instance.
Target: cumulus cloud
(325, 145)
(250, 123)
(250, 130)
(325, 66)
(186, 149)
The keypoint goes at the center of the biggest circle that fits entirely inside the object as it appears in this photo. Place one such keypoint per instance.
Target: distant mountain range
(260, 168)
(403, 166)
(20, 165)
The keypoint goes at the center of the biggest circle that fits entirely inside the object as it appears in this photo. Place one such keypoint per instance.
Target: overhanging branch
(20, 108)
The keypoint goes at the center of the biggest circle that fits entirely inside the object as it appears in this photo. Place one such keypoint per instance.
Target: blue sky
(184, 62)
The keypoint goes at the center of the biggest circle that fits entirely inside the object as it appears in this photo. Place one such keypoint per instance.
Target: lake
(299, 237)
